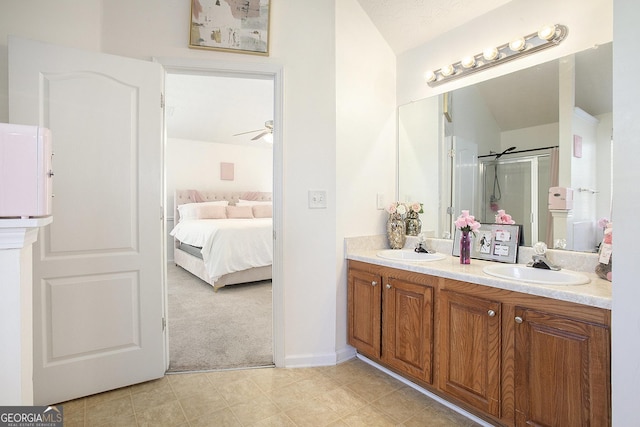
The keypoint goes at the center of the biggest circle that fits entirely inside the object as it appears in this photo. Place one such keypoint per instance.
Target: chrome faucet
(539, 259)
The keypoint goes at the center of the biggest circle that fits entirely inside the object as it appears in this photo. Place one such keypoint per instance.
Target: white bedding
(229, 245)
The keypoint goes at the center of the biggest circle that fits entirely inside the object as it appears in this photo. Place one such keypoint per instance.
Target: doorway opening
(218, 139)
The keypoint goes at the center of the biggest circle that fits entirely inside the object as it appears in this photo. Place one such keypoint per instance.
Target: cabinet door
(470, 350)
(562, 371)
(408, 327)
(364, 306)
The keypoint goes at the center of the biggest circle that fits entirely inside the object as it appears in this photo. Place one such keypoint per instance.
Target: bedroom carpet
(231, 328)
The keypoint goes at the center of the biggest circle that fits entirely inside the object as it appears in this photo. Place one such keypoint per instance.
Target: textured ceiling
(406, 24)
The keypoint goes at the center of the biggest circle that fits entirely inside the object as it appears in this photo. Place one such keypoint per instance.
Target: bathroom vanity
(510, 352)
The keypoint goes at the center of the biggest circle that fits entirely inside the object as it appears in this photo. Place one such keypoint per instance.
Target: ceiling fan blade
(251, 131)
(260, 135)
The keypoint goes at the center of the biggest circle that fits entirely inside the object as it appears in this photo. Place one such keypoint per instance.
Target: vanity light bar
(547, 36)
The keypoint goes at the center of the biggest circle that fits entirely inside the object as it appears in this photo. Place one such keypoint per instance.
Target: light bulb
(517, 44)
(447, 70)
(490, 53)
(468, 62)
(547, 32)
(429, 76)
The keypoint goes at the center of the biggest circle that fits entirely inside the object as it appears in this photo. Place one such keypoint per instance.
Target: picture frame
(239, 26)
(492, 242)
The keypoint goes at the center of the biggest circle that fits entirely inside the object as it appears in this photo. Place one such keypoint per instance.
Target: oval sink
(409, 255)
(523, 273)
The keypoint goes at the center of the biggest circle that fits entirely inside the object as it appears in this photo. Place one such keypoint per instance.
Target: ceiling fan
(268, 130)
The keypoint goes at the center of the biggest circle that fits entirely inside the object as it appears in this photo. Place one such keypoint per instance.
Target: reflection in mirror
(557, 115)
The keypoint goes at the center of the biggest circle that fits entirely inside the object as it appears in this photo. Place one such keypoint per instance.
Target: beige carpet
(231, 328)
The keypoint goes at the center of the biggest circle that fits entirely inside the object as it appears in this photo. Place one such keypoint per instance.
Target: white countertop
(596, 293)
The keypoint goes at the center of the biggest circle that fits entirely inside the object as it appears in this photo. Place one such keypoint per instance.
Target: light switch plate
(317, 199)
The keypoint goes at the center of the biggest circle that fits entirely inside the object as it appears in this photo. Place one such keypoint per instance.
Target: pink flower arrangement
(504, 218)
(466, 222)
(397, 208)
(415, 207)
(404, 208)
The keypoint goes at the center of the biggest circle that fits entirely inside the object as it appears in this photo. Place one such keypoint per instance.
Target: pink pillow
(263, 211)
(211, 212)
(239, 212)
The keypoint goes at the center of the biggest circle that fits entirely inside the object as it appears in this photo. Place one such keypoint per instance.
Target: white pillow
(253, 202)
(190, 210)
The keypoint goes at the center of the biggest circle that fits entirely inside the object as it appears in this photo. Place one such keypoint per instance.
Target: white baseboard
(310, 360)
(426, 392)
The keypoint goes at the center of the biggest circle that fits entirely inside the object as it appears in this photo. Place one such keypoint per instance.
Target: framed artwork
(240, 26)
(493, 242)
(226, 171)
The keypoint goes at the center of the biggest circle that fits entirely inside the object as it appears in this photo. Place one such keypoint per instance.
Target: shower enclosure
(520, 186)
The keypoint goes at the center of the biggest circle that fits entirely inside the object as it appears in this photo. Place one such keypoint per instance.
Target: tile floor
(352, 393)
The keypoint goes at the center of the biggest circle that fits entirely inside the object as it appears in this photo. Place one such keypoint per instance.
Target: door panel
(562, 371)
(408, 322)
(364, 302)
(470, 352)
(98, 268)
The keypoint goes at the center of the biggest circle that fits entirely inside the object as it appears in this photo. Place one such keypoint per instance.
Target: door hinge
(164, 324)
(452, 153)
(161, 100)
(450, 210)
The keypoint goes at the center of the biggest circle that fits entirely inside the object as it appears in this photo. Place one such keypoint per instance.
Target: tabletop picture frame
(239, 26)
(492, 242)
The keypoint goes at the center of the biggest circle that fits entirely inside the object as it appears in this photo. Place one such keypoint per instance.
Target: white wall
(68, 22)
(603, 167)
(626, 199)
(531, 137)
(196, 165)
(366, 135)
(419, 158)
(473, 122)
(583, 175)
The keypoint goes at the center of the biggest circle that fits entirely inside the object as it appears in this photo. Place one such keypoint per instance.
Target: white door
(98, 268)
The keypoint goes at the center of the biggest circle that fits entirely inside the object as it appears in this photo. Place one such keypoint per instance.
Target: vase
(396, 232)
(413, 224)
(465, 248)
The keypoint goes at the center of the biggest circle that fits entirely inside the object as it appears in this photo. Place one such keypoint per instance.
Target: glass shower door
(519, 186)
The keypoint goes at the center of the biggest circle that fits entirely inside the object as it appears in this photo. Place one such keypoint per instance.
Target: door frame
(274, 72)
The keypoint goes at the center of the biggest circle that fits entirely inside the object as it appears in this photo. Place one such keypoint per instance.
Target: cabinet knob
(374, 283)
(518, 319)
(388, 286)
(491, 313)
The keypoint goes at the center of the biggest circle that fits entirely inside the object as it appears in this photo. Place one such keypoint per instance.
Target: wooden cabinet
(390, 318)
(514, 359)
(364, 310)
(561, 370)
(407, 320)
(471, 350)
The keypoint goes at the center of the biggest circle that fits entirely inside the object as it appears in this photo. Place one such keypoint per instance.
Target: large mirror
(503, 143)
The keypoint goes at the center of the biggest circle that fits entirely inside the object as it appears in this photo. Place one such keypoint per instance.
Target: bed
(224, 238)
